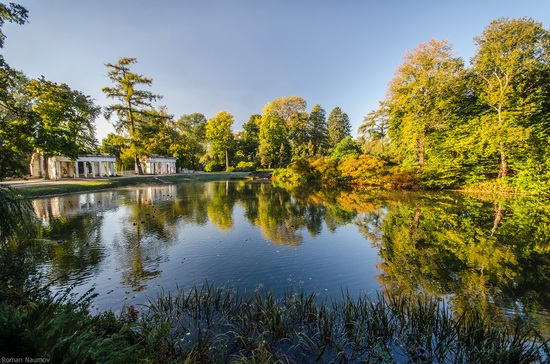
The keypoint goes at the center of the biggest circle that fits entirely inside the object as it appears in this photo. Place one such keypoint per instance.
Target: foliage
(18, 219)
(373, 133)
(65, 119)
(273, 135)
(363, 171)
(245, 167)
(345, 148)
(17, 124)
(317, 130)
(190, 141)
(338, 126)
(134, 104)
(419, 99)
(220, 136)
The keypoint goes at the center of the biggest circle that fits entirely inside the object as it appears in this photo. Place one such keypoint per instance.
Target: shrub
(213, 167)
(245, 167)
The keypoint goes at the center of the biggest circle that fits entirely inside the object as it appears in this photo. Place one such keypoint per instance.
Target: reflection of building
(46, 208)
(93, 165)
(154, 194)
(156, 164)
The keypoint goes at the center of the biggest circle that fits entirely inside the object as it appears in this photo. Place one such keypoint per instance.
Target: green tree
(190, 144)
(116, 145)
(220, 136)
(374, 132)
(65, 119)
(317, 130)
(250, 139)
(338, 126)
(419, 98)
(292, 111)
(345, 148)
(16, 125)
(273, 139)
(134, 103)
(156, 133)
(510, 53)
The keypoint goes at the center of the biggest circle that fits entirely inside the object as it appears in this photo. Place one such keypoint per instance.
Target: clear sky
(237, 55)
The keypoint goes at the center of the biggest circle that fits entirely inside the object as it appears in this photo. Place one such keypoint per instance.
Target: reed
(209, 324)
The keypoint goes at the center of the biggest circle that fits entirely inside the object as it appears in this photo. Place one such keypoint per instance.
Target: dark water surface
(129, 243)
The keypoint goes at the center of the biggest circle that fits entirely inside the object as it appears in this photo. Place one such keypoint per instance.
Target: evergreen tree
(133, 104)
(338, 126)
(317, 130)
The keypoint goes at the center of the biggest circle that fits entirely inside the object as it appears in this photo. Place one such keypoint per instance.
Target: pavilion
(89, 165)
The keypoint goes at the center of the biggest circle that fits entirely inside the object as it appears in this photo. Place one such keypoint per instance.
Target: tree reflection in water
(481, 252)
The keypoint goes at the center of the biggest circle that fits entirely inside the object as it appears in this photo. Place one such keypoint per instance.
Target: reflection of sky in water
(138, 260)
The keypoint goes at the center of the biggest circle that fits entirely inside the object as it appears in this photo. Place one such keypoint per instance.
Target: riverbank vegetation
(441, 125)
(409, 321)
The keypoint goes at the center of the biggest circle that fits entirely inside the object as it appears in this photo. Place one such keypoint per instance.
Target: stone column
(57, 170)
(101, 171)
(93, 169)
(76, 175)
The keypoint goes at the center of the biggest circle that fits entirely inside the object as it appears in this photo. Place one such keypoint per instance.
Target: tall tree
(250, 140)
(65, 119)
(191, 140)
(292, 111)
(134, 103)
(419, 98)
(317, 130)
(338, 126)
(273, 138)
(157, 133)
(16, 124)
(220, 136)
(374, 131)
(509, 53)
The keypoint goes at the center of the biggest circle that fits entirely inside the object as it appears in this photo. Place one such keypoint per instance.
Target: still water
(128, 244)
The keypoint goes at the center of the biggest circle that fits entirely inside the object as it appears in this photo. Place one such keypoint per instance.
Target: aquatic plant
(214, 324)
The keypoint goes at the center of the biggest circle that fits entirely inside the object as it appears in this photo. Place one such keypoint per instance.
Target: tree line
(454, 125)
(51, 118)
(285, 131)
(444, 124)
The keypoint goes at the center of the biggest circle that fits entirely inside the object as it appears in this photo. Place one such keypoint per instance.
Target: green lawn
(49, 188)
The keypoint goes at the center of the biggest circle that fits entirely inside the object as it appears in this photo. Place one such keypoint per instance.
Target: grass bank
(210, 324)
(45, 188)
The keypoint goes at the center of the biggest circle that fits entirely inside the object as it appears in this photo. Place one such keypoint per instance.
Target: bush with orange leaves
(364, 171)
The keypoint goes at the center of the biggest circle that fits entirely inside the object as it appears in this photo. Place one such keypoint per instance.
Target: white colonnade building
(91, 165)
(157, 164)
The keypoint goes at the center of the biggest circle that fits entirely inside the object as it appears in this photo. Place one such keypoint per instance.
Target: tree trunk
(226, 159)
(421, 155)
(138, 167)
(503, 163)
(498, 217)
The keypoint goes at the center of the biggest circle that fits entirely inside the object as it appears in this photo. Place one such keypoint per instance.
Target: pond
(128, 244)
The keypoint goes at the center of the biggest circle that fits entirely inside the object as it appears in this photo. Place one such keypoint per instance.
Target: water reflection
(476, 251)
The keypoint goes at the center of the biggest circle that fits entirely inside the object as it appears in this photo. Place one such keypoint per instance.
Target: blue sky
(237, 55)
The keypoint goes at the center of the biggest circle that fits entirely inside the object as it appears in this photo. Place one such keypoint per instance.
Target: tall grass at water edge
(213, 325)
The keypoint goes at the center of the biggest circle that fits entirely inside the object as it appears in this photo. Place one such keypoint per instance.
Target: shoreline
(39, 188)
